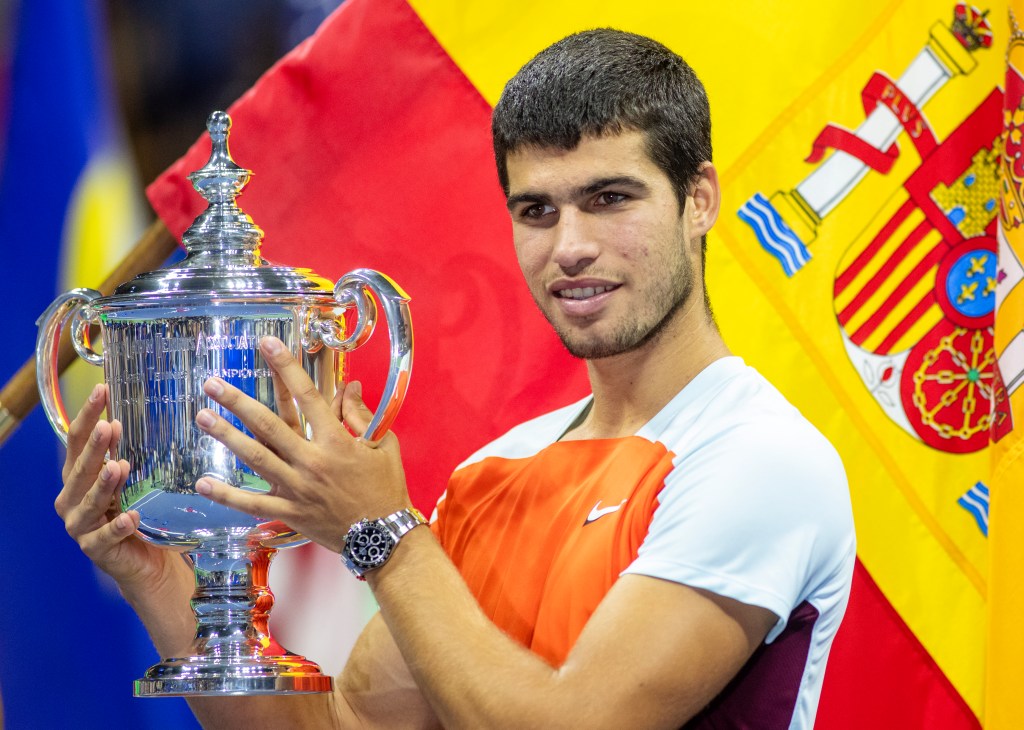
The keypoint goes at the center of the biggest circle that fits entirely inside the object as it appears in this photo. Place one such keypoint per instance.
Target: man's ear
(707, 196)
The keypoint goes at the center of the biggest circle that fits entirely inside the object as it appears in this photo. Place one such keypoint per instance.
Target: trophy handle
(51, 324)
(353, 289)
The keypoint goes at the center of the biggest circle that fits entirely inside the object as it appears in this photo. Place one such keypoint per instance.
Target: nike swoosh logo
(597, 512)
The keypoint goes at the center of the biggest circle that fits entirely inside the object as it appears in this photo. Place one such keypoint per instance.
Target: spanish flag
(867, 157)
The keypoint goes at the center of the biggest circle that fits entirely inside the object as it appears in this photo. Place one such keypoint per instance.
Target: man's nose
(575, 245)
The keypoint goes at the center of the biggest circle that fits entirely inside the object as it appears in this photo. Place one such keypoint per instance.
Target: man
(675, 549)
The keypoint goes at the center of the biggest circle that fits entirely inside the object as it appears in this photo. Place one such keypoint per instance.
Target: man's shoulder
(731, 405)
(530, 437)
(741, 443)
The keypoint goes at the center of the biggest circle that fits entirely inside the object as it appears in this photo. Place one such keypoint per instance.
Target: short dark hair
(606, 81)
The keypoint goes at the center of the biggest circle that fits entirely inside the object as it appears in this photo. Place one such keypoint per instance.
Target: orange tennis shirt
(539, 559)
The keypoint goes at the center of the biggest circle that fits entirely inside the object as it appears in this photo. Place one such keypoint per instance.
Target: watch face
(369, 545)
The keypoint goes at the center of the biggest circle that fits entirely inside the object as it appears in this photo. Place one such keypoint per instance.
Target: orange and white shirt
(727, 489)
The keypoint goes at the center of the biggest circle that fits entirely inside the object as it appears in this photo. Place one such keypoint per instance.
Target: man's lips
(582, 298)
(580, 290)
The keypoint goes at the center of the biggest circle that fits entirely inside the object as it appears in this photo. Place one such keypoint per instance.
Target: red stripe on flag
(879, 675)
(880, 276)
(907, 322)
(371, 149)
(928, 263)
(844, 279)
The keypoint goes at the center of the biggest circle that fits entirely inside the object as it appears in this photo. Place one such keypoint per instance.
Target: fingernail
(214, 387)
(357, 387)
(271, 345)
(105, 472)
(121, 522)
(205, 418)
(96, 433)
(96, 394)
(203, 486)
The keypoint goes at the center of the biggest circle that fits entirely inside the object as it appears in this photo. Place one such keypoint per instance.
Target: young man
(676, 548)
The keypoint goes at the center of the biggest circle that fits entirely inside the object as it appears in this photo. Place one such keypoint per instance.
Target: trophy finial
(223, 229)
(220, 178)
(218, 123)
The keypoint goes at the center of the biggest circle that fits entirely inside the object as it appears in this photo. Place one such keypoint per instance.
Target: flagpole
(20, 394)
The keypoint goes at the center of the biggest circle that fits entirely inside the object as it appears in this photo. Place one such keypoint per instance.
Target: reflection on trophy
(163, 334)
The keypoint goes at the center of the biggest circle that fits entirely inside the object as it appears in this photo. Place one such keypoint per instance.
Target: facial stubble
(663, 304)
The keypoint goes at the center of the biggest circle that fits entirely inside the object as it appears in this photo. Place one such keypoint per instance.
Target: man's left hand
(321, 486)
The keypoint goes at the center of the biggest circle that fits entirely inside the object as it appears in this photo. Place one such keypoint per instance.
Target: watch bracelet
(403, 520)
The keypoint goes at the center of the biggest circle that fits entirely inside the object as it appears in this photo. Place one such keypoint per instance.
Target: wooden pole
(20, 395)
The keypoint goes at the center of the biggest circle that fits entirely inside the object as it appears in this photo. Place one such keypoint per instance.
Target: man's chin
(595, 348)
(592, 345)
(598, 338)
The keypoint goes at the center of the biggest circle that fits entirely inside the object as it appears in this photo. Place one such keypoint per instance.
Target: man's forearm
(652, 655)
(462, 663)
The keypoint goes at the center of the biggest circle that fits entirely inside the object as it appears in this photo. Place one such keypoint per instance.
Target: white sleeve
(761, 515)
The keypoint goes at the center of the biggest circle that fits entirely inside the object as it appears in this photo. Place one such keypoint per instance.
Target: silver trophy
(163, 334)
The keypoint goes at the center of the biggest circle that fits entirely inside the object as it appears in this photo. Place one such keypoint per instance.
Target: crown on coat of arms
(971, 27)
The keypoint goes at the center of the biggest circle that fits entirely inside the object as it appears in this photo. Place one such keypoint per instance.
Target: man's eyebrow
(610, 182)
(526, 197)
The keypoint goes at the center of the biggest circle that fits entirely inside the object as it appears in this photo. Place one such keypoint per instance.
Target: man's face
(607, 253)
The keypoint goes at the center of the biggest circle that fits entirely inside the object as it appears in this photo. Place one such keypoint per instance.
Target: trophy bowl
(163, 334)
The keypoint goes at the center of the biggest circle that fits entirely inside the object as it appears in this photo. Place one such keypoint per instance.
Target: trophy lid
(223, 262)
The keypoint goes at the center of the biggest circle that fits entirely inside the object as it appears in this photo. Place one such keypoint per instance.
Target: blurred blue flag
(69, 209)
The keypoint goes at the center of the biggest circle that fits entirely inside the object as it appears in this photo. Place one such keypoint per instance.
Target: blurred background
(171, 64)
(97, 97)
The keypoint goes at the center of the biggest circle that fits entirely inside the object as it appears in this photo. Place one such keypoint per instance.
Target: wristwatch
(369, 543)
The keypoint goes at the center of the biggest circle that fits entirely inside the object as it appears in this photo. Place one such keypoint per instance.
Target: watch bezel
(393, 527)
(360, 529)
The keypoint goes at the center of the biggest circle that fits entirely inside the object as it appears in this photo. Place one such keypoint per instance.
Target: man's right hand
(107, 536)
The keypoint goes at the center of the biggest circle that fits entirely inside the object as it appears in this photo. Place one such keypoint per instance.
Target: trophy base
(196, 676)
(233, 652)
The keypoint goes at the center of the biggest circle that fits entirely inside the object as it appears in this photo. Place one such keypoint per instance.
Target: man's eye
(610, 198)
(536, 211)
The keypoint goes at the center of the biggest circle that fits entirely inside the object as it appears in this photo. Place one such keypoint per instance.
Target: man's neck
(631, 388)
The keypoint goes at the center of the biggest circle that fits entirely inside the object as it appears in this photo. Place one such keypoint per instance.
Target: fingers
(90, 511)
(85, 501)
(354, 412)
(285, 405)
(101, 541)
(251, 503)
(261, 421)
(307, 395)
(115, 438)
(81, 475)
(336, 403)
(81, 429)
